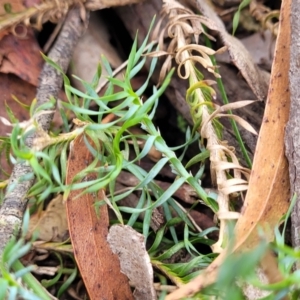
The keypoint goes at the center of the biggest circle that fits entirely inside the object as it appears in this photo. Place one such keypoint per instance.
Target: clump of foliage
(112, 143)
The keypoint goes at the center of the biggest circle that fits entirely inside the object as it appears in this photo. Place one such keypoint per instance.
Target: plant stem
(225, 101)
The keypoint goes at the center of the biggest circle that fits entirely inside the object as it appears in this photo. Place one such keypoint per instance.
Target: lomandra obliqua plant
(110, 143)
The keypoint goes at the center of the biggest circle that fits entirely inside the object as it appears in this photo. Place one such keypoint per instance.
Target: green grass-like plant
(111, 145)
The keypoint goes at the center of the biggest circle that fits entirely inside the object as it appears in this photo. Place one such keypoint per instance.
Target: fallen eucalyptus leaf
(98, 265)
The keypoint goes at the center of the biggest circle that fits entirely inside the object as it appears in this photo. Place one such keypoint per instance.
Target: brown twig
(15, 201)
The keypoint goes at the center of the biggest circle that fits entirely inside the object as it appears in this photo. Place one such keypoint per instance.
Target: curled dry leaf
(268, 194)
(129, 245)
(229, 106)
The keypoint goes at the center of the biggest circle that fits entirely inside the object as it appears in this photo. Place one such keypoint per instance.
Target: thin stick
(108, 118)
(15, 201)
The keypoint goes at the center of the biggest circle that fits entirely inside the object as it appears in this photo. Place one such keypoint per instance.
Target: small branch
(15, 201)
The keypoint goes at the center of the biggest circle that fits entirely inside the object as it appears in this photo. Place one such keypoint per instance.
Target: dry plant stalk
(183, 24)
(264, 15)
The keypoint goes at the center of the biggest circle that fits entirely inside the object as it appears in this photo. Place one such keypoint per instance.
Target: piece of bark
(135, 262)
(15, 201)
(292, 137)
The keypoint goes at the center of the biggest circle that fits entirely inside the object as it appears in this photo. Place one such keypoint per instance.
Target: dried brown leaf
(99, 267)
(269, 183)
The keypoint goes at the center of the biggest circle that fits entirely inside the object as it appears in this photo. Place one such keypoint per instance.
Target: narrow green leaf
(236, 17)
